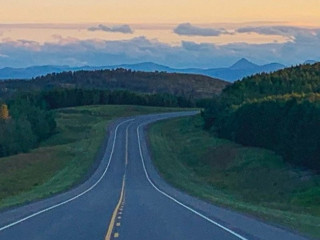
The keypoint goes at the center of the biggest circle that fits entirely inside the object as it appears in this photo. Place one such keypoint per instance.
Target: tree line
(27, 119)
(178, 84)
(278, 111)
(60, 98)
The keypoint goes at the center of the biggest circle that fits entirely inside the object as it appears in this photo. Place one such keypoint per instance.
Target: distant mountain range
(240, 69)
(310, 62)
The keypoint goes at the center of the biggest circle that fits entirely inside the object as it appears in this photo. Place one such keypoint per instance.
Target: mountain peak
(244, 63)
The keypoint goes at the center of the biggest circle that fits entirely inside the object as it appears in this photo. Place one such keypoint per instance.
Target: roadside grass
(64, 159)
(250, 180)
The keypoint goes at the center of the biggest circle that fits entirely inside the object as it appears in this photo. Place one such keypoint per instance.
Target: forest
(23, 125)
(279, 111)
(185, 85)
(28, 118)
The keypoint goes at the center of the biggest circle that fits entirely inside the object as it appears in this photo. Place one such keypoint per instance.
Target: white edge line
(177, 201)
(77, 196)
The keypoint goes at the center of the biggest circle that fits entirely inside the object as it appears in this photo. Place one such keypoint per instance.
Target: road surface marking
(118, 224)
(117, 211)
(175, 200)
(77, 196)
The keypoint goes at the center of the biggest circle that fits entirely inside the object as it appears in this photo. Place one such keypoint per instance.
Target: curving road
(126, 199)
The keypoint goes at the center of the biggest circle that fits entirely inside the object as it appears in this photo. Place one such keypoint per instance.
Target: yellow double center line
(116, 210)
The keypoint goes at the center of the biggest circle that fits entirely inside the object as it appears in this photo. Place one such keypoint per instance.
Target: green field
(64, 159)
(250, 180)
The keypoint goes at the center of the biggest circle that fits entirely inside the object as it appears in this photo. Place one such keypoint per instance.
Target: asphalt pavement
(125, 198)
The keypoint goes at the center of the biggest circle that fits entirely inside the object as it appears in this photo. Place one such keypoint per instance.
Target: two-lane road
(126, 199)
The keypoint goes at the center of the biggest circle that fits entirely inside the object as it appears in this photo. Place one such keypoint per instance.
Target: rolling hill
(187, 85)
(279, 111)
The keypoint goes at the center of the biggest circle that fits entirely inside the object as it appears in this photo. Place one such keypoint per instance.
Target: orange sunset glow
(166, 11)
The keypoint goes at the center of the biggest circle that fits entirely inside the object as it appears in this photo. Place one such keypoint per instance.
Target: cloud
(293, 33)
(3, 56)
(23, 44)
(119, 28)
(102, 52)
(97, 52)
(192, 46)
(187, 29)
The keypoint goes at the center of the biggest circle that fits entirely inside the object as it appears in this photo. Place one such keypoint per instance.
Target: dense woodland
(186, 85)
(60, 98)
(278, 111)
(299, 79)
(24, 126)
(27, 118)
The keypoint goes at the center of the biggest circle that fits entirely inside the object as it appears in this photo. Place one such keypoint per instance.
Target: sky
(177, 33)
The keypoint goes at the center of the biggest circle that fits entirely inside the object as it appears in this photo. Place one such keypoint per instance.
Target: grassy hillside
(247, 179)
(65, 158)
(188, 85)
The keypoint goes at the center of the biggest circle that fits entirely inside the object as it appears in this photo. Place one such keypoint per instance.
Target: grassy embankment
(65, 158)
(250, 180)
